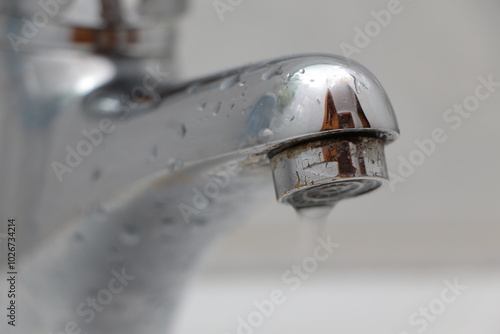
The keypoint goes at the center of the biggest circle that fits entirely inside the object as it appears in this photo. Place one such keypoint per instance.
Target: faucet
(116, 176)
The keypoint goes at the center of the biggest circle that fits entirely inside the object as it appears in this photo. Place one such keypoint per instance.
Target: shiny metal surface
(109, 164)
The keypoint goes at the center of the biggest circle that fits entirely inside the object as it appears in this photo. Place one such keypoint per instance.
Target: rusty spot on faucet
(114, 33)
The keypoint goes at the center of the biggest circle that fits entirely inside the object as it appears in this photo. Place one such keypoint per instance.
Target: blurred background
(438, 221)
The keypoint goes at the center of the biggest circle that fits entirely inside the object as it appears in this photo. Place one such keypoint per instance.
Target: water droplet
(229, 82)
(130, 235)
(271, 73)
(313, 223)
(241, 83)
(216, 109)
(302, 71)
(177, 128)
(174, 164)
(232, 106)
(193, 88)
(318, 101)
(202, 106)
(266, 135)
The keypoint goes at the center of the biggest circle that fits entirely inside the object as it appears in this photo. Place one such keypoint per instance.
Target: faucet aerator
(321, 173)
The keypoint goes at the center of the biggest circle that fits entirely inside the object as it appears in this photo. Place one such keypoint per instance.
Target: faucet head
(354, 120)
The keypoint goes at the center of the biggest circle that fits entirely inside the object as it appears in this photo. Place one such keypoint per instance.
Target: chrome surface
(108, 164)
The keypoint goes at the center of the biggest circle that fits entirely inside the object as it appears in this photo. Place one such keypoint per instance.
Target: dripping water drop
(312, 226)
(177, 128)
(202, 106)
(216, 109)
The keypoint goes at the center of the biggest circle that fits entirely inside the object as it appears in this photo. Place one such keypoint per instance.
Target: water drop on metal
(193, 88)
(216, 109)
(267, 134)
(271, 73)
(177, 128)
(229, 82)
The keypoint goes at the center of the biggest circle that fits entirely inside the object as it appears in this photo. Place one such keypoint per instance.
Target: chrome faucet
(118, 176)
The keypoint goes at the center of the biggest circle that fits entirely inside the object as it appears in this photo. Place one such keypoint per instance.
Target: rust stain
(105, 39)
(345, 158)
(113, 35)
(298, 185)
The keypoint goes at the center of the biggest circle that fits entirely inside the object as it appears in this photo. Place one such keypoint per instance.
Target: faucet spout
(268, 110)
(252, 111)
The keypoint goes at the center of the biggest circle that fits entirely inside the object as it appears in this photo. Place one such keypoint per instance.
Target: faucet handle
(137, 28)
(100, 13)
